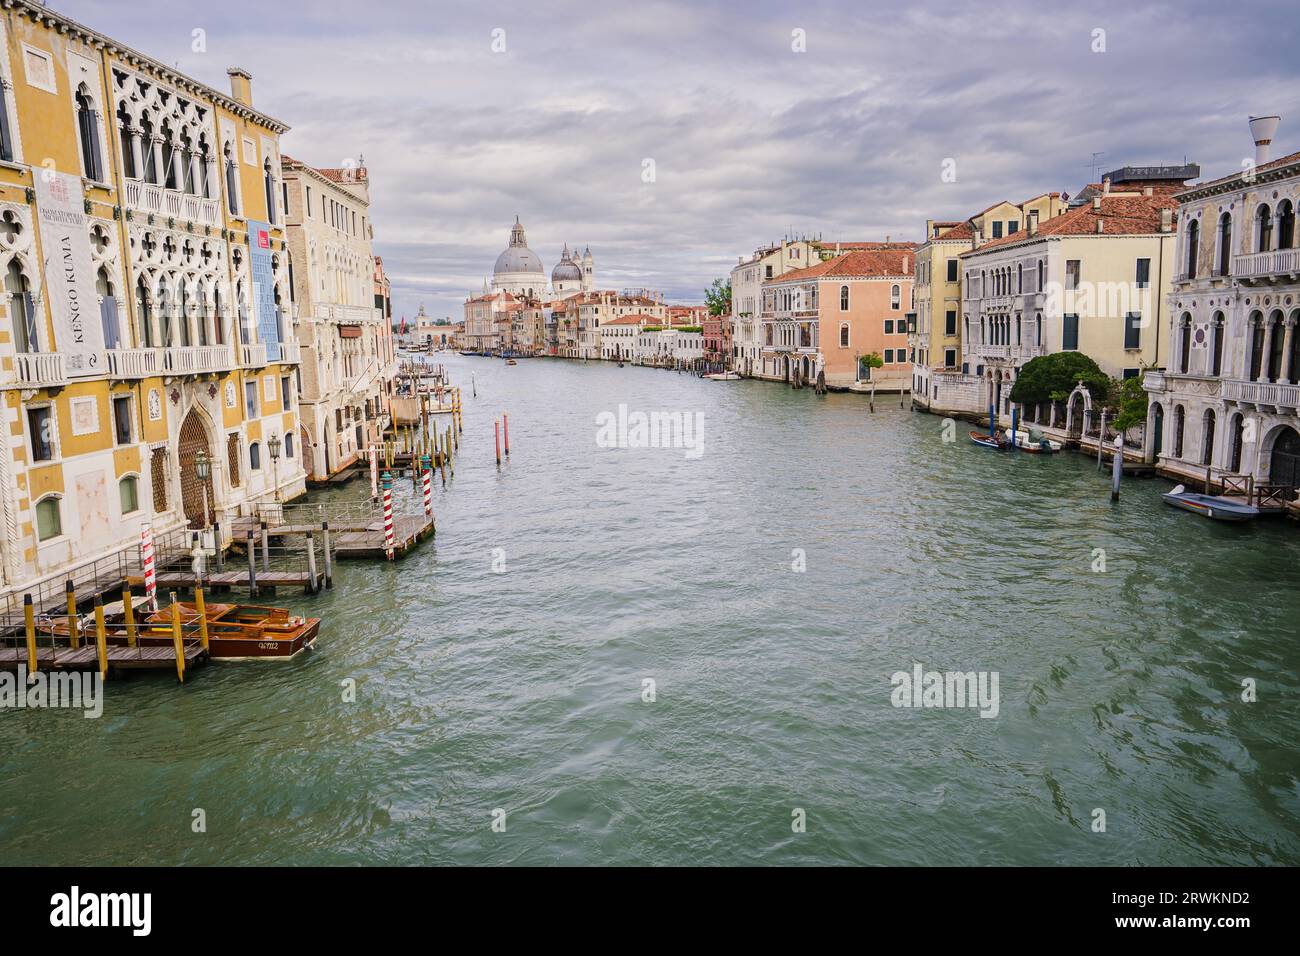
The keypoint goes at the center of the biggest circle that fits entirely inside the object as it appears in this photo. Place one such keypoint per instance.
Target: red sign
(263, 239)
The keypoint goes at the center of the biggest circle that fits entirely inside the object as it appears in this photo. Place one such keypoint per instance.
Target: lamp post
(273, 446)
(203, 470)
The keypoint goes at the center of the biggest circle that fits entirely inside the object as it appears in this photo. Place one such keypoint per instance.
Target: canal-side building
(747, 278)
(828, 317)
(146, 299)
(1226, 400)
(341, 317)
(934, 344)
(1091, 279)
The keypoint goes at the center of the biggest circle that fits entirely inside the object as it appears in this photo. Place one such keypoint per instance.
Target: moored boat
(985, 440)
(723, 377)
(1210, 506)
(1024, 442)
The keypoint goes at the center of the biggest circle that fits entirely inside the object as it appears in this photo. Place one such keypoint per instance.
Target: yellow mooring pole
(203, 617)
(101, 639)
(73, 634)
(177, 640)
(29, 622)
(129, 612)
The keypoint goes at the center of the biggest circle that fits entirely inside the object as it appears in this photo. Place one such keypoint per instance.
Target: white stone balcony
(348, 314)
(1154, 381)
(156, 200)
(290, 353)
(197, 359)
(1271, 394)
(129, 364)
(988, 351)
(1280, 264)
(40, 369)
(252, 356)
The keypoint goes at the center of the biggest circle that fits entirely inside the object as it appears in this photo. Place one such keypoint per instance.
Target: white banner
(69, 274)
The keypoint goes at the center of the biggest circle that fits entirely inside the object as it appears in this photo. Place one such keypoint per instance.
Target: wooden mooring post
(101, 639)
(178, 640)
(128, 612)
(329, 560)
(29, 624)
(73, 632)
(252, 566)
(266, 549)
(311, 563)
(201, 608)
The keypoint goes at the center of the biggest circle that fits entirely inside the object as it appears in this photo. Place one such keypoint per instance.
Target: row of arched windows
(1273, 230)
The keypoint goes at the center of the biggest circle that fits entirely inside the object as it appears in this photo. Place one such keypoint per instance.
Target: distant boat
(1025, 443)
(1210, 506)
(984, 440)
(510, 361)
(723, 377)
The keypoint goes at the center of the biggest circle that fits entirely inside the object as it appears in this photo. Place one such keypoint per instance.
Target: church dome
(517, 256)
(566, 270)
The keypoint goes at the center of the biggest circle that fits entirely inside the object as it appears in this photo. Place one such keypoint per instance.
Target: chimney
(1166, 220)
(1101, 226)
(1148, 191)
(1262, 129)
(1096, 202)
(904, 265)
(1033, 222)
(241, 85)
(1105, 186)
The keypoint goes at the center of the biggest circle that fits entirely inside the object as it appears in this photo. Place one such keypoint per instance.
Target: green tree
(1051, 378)
(718, 297)
(868, 362)
(1128, 401)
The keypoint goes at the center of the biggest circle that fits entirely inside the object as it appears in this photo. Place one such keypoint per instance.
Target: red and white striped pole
(389, 543)
(146, 559)
(428, 486)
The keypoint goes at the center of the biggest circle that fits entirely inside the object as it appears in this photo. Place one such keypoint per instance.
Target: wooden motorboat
(985, 440)
(723, 377)
(511, 362)
(1210, 506)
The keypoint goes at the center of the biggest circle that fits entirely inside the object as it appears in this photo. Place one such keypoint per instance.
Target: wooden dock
(264, 581)
(368, 542)
(119, 656)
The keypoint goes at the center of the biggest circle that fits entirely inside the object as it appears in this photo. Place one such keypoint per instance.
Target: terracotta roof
(891, 261)
(637, 318)
(1121, 215)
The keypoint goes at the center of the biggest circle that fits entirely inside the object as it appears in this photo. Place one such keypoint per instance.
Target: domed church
(519, 270)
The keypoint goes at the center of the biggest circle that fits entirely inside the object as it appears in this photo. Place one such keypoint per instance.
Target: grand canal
(522, 689)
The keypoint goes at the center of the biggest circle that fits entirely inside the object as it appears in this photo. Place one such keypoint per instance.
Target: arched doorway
(1157, 426)
(1075, 414)
(308, 451)
(1236, 431)
(1284, 463)
(193, 439)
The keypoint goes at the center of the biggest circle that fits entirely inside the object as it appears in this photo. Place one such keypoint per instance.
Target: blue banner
(259, 259)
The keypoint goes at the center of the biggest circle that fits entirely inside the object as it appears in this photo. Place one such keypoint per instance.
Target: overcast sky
(750, 140)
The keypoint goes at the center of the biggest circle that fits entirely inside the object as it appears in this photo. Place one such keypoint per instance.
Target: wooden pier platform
(120, 657)
(408, 531)
(266, 581)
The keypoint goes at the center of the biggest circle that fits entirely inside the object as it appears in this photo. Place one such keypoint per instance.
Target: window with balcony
(1193, 248)
(144, 310)
(1277, 340)
(108, 310)
(1285, 224)
(170, 169)
(895, 298)
(22, 309)
(1263, 228)
(1256, 344)
(147, 147)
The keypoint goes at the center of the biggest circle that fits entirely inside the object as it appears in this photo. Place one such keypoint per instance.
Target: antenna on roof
(1095, 165)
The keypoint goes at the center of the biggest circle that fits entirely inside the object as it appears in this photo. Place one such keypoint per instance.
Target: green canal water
(523, 690)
